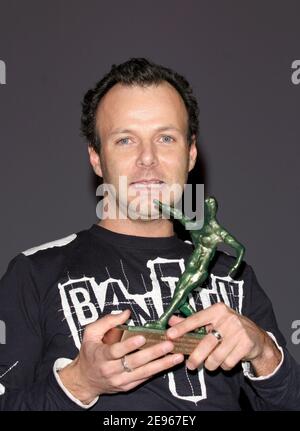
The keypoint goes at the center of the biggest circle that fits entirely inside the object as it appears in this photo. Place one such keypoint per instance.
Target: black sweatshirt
(51, 292)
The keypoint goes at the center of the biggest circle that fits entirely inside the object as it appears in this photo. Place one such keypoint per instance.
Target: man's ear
(95, 161)
(192, 153)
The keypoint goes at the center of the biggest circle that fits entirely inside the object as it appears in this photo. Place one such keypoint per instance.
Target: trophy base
(185, 344)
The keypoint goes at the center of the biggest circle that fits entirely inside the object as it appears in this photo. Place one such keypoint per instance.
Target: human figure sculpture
(205, 240)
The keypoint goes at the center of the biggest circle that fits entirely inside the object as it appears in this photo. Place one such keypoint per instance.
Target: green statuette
(205, 241)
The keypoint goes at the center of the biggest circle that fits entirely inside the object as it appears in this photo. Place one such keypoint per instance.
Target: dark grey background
(237, 55)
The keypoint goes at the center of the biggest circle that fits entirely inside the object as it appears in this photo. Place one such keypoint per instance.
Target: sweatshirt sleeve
(21, 345)
(280, 391)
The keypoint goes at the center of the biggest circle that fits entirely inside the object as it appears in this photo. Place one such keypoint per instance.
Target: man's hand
(98, 368)
(242, 340)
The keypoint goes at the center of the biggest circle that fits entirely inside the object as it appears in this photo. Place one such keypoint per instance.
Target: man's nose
(147, 155)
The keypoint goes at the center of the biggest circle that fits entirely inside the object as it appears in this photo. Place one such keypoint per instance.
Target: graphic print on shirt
(2, 388)
(84, 300)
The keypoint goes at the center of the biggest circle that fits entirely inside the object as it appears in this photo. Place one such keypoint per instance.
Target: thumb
(96, 331)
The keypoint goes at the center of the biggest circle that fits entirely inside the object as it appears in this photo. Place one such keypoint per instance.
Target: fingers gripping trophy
(205, 240)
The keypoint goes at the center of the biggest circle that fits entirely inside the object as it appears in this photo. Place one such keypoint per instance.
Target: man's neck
(146, 228)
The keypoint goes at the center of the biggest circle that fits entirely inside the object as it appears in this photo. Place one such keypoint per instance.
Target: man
(61, 301)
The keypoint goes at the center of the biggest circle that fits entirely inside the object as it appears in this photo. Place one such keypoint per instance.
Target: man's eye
(167, 139)
(123, 141)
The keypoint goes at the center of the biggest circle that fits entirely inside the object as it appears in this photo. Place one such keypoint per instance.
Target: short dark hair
(142, 72)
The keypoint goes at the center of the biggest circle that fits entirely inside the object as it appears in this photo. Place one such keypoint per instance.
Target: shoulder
(62, 246)
(51, 253)
(41, 265)
(61, 242)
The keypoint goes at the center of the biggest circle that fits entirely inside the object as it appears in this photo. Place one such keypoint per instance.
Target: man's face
(143, 134)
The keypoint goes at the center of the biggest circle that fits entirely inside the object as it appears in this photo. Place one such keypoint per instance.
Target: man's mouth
(147, 183)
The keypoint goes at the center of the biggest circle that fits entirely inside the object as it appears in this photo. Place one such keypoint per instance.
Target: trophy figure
(205, 241)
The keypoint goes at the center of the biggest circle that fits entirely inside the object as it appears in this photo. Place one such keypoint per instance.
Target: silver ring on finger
(125, 365)
(216, 334)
